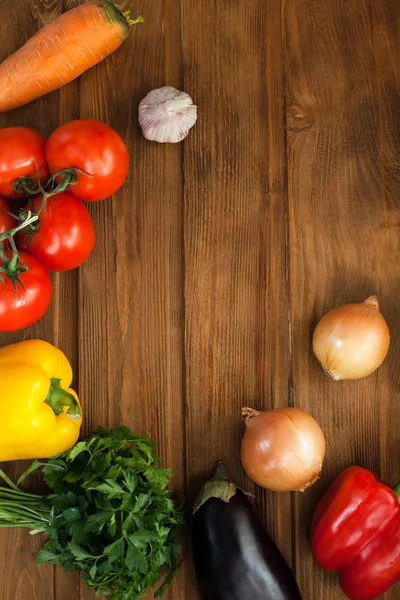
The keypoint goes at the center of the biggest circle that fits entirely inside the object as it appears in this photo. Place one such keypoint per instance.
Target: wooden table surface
(215, 261)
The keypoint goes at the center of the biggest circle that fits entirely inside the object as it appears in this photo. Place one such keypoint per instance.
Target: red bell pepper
(356, 531)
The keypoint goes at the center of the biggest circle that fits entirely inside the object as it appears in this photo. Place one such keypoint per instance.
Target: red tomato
(6, 220)
(21, 309)
(22, 152)
(93, 147)
(65, 234)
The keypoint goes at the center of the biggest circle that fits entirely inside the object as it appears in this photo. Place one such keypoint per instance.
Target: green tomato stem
(69, 178)
(31, 186)
(10, 233)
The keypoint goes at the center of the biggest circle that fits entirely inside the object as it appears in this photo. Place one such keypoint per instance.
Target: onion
(282, 449)
(351, 341)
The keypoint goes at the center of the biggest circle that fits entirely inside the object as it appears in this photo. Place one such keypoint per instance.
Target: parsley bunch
(109, 515)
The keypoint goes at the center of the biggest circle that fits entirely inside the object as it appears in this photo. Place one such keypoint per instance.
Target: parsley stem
(8, 481)
(30, 524)
(21, 509)
(11, 493)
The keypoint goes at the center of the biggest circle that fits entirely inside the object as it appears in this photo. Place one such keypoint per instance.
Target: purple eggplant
(234, 557)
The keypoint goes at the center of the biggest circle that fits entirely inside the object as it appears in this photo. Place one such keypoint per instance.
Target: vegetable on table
(40, 413)
(25, 286)
(167, 115)
(63, 236)
(234, 557)
(25, 282)
(94, 148)
(61, 51)
(25, 291)
(282, 449)
(108, 515)
(22, 154)
(351, 341)
(356, 531)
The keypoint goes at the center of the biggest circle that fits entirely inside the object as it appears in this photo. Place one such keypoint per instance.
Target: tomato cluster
(62, 236)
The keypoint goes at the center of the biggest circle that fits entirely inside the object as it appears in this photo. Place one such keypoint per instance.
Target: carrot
(61, 51)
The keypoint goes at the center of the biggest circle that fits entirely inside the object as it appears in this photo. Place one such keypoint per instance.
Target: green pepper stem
(396, 490)
(58, 398)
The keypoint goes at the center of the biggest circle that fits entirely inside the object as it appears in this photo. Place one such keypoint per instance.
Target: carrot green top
(115, 14)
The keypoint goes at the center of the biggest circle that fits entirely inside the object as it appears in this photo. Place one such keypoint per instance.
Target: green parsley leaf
(93, 571)
(140, 503)
(64, 501)
(115, 550)
(140, 539)
(108, 487)
(78, 449)
(130, 481)
(96, 522)
(109, 514)
(78, 552)
(72, 515)
(48, 556)
(135, 560)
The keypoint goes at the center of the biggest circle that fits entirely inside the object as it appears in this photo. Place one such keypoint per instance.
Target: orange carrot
(61, 51)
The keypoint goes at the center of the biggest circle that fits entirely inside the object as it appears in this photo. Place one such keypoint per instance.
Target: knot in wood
(297, 118)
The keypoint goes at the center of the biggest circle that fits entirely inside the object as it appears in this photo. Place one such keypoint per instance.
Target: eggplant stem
(220, 486)
(221, 473)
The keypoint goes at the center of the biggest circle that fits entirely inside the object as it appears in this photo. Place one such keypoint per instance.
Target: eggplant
(234, 557)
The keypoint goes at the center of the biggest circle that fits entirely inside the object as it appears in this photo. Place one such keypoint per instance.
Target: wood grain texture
(339, 247)
(22, 578)
(236, 305)
(216, 259)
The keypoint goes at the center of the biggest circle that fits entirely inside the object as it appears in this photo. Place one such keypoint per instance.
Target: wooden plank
(180, 316)
(139, 241)
(236, 307)
(18, 549)
(67, 585)
(386, 18)
(386, 31)
(340, 249)
(130, 292)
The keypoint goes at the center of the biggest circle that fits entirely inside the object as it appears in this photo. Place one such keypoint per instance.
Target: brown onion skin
(351, 341)
(283, 449)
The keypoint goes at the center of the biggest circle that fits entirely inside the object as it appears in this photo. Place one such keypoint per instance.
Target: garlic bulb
(166, 115)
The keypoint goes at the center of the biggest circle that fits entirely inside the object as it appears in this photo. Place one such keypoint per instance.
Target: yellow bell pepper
(40, 415)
